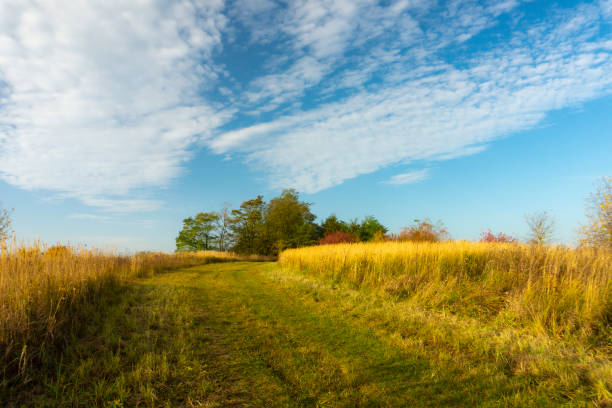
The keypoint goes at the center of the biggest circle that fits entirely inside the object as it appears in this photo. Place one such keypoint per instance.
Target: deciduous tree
(247, 226)
(541, 227)
(224, 219)
(424, 230)
(369, 227)
(598, 231)
(289, 221)
(332, 224)
(338, 237)
(198, 232)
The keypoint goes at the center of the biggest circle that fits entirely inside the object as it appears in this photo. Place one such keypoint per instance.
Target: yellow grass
(556, 290)
(41, 289)
(544, 313)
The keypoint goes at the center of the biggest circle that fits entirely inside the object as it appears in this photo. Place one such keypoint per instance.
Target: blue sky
(118, 120)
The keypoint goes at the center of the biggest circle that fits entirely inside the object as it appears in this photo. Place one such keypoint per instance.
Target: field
(390, 324)
(540, 313)
(43, 291)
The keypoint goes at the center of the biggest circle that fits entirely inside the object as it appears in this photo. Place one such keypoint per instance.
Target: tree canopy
(247, 224)
(266, 228)
(332, 225)
(289, 222)
(198, 232)
(369, 227)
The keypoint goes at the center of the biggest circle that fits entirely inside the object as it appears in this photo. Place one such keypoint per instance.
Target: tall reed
(557, 290)
(41, 289)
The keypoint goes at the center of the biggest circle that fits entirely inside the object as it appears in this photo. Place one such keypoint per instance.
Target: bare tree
(541, 227)
(223, 228)
(5, 222)
(598, 231)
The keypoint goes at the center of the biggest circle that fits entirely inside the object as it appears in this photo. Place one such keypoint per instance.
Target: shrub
(338, 237)
(424, 231)
(499, 238)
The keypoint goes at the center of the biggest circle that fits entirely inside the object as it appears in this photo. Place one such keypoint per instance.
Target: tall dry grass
(553, 290)
(42, 289)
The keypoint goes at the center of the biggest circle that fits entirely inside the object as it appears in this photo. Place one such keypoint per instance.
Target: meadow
(556, 290)
(42, 290)
(541, 311)
(345, 325)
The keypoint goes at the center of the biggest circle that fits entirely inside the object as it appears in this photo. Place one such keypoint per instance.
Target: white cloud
(239, 139)
(409, 178)
(100, 97)
(425, 108)
(323, 26)
(321, 33)
(275, 89)
(102, 100)
(258, 16)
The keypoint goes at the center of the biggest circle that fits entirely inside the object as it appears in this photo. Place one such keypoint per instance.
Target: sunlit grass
(555, 289)
(247, 334)
(541, 312)
(42, 287)
(389, 324)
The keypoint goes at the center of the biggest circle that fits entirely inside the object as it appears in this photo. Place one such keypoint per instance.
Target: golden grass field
(554, 289)
(519, 325)
(544, 312)
(41, 287)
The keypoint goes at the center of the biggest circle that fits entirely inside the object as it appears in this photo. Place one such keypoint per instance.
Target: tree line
(266, 228)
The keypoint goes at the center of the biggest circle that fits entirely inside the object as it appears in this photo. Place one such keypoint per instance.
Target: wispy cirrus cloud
(318, 34)
(425, 103)
(408, 178)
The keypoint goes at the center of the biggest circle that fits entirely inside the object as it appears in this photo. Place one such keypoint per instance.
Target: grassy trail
(248, 334)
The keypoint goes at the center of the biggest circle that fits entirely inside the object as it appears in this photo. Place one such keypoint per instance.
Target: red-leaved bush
(338, 237)
(423, 231)
(500, 237)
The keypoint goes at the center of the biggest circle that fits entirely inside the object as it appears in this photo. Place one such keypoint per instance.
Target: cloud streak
(408, 178)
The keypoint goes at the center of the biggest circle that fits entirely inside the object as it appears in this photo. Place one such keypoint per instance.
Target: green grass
(251, 334)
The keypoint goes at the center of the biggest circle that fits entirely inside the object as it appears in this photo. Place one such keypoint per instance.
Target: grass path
(247, 334)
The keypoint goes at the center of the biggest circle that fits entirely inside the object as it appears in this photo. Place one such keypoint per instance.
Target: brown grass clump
(41, 289)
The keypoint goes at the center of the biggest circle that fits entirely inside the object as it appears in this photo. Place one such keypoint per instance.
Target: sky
(119, 119)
